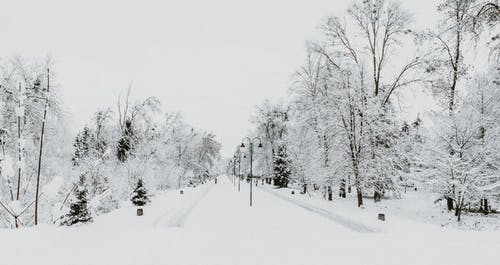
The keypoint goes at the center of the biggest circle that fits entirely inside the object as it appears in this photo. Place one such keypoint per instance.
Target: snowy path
(213, 225)
(180, 214)
(226, 209)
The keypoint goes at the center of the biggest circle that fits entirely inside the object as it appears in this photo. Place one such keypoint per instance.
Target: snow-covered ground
(213, 224)
(414, 208)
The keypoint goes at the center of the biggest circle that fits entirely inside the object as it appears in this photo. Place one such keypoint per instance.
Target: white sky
(212, 60)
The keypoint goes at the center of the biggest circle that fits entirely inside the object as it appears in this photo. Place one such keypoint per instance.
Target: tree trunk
(358, 187)
(360, 197)
(349, 183)
(19, 148)
(449, 204)
(458, 213)
(455, 71)
(377, 196)
(342, 189)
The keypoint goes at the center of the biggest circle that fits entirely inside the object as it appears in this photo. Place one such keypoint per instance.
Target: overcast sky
(211, 60)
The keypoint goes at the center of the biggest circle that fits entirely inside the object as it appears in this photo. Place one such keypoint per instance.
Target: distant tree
(270, 121)
(79, 212)
(209, 150)
(101, 119)
(140, 194)
(83, 145)
(282, 170)
(126, 143)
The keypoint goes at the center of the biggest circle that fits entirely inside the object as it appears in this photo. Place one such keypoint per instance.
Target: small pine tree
(79, 212)
(282, 171)
(140, 194)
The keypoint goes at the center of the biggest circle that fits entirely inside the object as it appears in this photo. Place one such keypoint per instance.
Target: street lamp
(239, 169)
(234, 170)
(251, 143)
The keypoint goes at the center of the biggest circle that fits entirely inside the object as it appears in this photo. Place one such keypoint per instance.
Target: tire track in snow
(180, 215)
(166, 215)
(358, 227)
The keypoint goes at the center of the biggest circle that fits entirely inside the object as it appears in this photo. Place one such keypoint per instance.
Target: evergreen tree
(125, 144)
(79, 212)
(140, 194)
(83, 145)
(281, 167)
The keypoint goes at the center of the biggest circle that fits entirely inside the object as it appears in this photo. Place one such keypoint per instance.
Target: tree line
(344, 126)
(48, 174)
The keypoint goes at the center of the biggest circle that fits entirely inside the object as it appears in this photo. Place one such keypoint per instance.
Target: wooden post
(381, 217)
(41, 147)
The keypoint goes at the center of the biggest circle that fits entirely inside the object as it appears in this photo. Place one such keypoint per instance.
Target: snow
(20, 111)
(213, 224)
(414, 209)
(53, 187)
(15, 207)
(6, 166)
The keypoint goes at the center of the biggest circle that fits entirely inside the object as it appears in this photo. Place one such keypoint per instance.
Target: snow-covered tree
(282, 167)
(79, 209)
(24, 98)
(126, 144)
(83, 145)
(447, 66)
(464, 154)
(140, 194)
(270, 126)
(345, 91)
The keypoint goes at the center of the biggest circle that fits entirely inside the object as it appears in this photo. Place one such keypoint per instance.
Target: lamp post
(250, 150)
(234, 170)
(239, 169)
